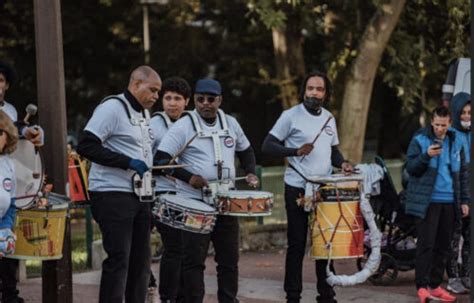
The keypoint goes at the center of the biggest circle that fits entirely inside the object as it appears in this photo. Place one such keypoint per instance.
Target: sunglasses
(201, 98)
(2, 131)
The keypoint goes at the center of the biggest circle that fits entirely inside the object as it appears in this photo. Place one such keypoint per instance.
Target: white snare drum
(185, 213)
(29, 174)
(244, 203)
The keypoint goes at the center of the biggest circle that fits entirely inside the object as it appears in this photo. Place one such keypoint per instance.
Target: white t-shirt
(9, 110)
(111, 125)
(200, 153)
(159, 128)
(7, 183)
(296, 126)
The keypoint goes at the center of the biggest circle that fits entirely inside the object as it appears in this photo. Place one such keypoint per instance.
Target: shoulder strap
(125, 106)
(164, 117)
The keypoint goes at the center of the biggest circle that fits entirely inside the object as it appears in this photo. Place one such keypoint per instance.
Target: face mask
(313, 103)
(466, 124)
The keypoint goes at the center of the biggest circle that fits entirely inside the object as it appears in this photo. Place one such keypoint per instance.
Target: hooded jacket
(457, 103)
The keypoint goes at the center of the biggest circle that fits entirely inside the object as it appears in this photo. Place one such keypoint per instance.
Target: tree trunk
(359, 83)
(289, 64)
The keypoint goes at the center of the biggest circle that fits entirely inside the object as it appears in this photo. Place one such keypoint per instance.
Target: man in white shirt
(292, 136)
(175, 94)
(118, 141)
(211, 157)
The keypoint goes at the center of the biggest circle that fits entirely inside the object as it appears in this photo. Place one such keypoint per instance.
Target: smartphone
(438, 143)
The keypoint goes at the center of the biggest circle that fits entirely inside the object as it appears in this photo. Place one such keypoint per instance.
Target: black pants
(125, 225)
(225, 239)
(461, 229)
(171, 262)
(433, 246)
(8, 269)
(297, 220)
(171, 281)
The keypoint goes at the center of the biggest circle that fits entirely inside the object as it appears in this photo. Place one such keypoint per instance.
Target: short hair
(6, 124)
(142, 73)
(327, 85)
(177, 85)
(441, 111)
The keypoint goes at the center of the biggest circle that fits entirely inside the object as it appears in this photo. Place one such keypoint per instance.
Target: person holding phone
(438, 196)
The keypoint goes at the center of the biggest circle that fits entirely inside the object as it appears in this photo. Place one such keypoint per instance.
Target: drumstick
(170, 166)
(183, 148)
(319, 134)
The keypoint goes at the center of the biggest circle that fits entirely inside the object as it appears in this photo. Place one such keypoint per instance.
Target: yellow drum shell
(40, 233)
(345, 244)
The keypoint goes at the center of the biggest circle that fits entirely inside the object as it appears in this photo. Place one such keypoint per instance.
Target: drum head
(29, 173)
(244, 194)
(187, 203)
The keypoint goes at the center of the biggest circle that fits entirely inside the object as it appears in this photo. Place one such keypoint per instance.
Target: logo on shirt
(229, 141)
(150, 133)
(7, 184)
(328, 130)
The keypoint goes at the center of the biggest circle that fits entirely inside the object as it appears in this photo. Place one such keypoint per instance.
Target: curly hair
(177, 85)
(6, 124)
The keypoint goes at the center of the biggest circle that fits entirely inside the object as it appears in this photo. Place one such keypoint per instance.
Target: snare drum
(29, 174)
(185, 213)
(338, 227)
(244, 203)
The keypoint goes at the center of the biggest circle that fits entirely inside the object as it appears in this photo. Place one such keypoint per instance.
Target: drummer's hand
(197, 181)
(139, 166)
(347, 168)
(34, 135)
(252, 180)
(304, 149)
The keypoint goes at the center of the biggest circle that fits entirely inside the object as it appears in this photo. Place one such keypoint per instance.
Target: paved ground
(261, 281)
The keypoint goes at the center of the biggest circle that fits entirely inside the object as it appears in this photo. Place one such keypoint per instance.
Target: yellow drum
(338, 226)
(40, 231)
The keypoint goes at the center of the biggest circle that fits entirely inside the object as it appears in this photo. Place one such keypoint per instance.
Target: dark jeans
(433, 246)
(171, 280)
(171, 262)
(297, 220)
(125, 225)
(225, 239)
(8, 269)
(462, 229)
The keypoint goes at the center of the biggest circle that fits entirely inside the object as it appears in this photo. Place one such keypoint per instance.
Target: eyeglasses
(201, 98)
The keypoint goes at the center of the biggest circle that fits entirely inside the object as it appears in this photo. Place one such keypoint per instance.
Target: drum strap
(143, 122)
(215, 135)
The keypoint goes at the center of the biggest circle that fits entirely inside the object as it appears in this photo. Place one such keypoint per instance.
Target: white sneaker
(455, 286)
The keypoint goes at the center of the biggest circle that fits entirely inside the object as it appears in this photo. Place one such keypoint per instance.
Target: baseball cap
(208, 86)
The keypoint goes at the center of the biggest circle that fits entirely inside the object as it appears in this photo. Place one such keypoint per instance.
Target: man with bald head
(118, 141)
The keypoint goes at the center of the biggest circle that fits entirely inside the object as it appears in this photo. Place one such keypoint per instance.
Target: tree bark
(359, 83)
(289, 62)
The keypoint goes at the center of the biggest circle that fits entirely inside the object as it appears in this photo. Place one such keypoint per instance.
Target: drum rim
(210, 210)
(235, 194)
(34, 196)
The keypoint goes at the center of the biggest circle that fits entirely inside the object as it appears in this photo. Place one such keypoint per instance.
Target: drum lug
(249, 205)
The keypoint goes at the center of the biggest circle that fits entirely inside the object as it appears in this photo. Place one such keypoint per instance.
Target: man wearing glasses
(211, 140)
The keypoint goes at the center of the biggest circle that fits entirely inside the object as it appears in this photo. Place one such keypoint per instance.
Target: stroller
(398, 248)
